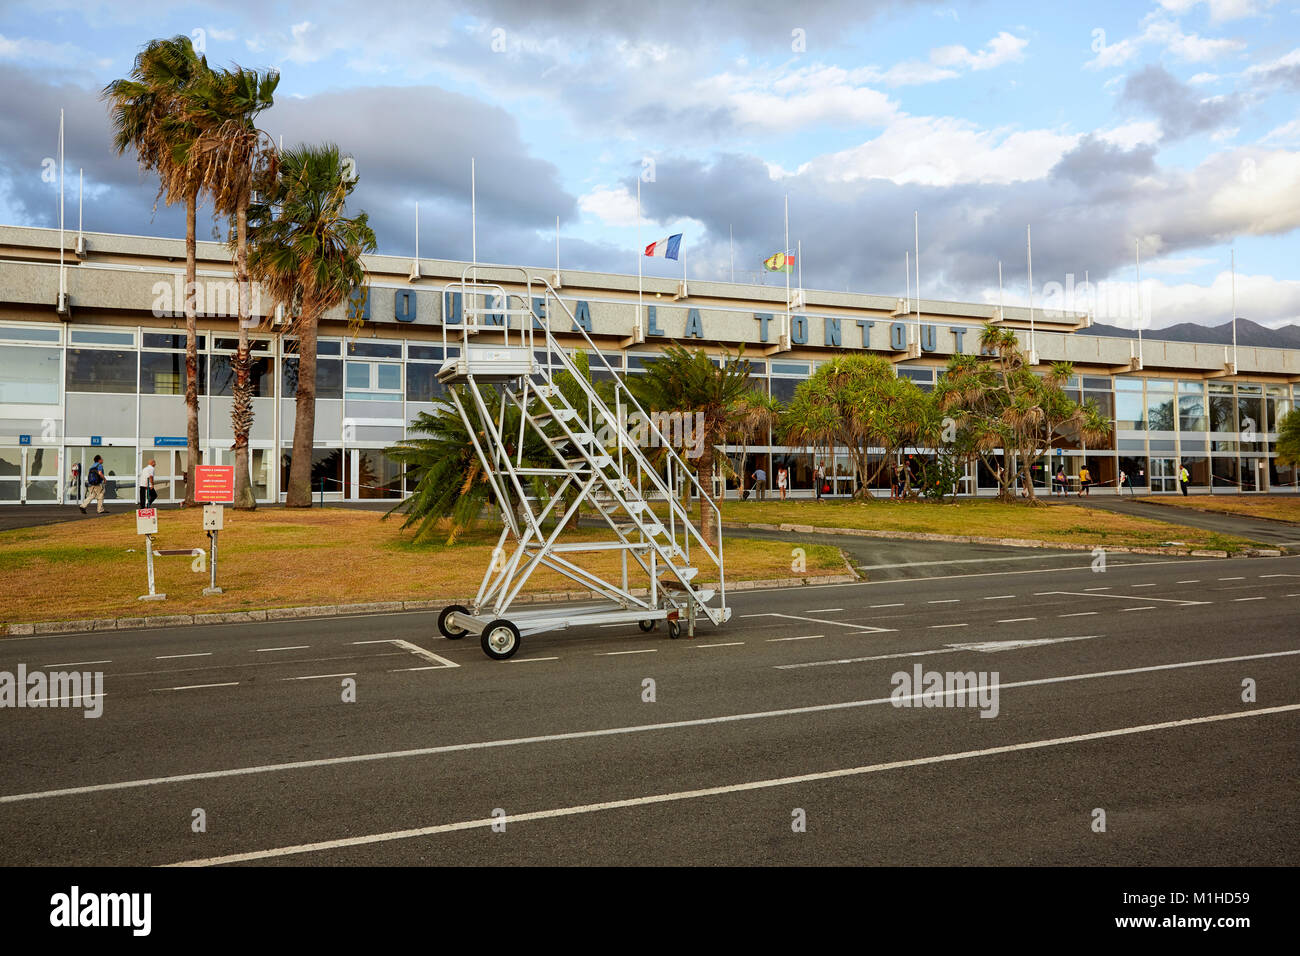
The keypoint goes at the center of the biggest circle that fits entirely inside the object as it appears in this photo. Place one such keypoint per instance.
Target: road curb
(88, 625)
(976, 539)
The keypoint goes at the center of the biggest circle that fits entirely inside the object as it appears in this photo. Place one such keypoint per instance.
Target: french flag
(665, 248)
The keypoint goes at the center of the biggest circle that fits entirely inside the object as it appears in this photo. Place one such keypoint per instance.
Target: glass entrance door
(1164, 476)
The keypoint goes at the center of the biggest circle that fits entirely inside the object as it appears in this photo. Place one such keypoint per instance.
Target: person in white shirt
(147, 493)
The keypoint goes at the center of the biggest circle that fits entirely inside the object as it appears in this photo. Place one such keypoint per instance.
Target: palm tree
(757, 414)
(692, 384)
(151, 113)
(858, 403)
(306, 254)
(232, 154)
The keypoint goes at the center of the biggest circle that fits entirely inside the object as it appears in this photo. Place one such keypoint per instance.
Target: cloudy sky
(1174, 124)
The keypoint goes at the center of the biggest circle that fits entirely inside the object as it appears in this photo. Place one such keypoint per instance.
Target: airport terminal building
(101, 369)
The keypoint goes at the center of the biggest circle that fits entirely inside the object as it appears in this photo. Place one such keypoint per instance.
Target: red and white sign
(214, 483)
(146, 521)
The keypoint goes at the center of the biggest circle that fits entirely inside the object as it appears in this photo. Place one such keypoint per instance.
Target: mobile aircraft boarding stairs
(666, 572)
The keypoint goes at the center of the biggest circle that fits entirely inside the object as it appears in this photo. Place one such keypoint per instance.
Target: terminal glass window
(101, 370)
(29, 376)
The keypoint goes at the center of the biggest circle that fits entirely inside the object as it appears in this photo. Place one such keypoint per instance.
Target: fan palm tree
(151, 112)
(306, 254)
(232, 153)
(691, 383)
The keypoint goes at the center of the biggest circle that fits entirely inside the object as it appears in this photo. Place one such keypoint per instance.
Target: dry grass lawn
(1053, 523)
(282, 558)
(1276, 507)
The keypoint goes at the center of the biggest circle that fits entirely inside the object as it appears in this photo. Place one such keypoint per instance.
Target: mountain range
(1249, 334)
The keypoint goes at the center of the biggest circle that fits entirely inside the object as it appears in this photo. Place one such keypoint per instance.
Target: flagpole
(732, 233)
(63, 286)
(916, 236)
(907, 270)
(1234, 311)
(640, 251)
(787, 267)
(473, 217)
(1029, 252)
(799, 262)
(1001, 314)
(1137, 269)
(557, 249)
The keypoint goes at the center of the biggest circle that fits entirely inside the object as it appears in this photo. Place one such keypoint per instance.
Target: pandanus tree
(857, 403)
(232, 154)
(707, 394)
(153, 113)
(305, 253)
(1005, 405)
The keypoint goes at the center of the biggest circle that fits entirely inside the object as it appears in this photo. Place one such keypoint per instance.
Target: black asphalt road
(1119, 692)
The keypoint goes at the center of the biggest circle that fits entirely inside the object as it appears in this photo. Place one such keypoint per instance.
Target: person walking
(94, 487)
(1085, 480)
(1184, 478)
(74, 485)
(782, 479)
(1060, 483)
(760, 483)
(819, 478)
(147, 493)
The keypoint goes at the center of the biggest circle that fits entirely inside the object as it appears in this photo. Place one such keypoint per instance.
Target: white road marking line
(47, 700)
(172, 657)
(1016, 620)
(197, 686)
(822, 610)
(1251, 599)
(990, 647)
(933, 626)
(1077, 614)
(1280, 575)
(77, 664)
(1130, 597)
(997, 560)
(806, 637)
(999, 597)
(426, 667)
(648, 650)
(604, 732)
(873, 607)
(419, 652)
(1143, 585)
(1086, 589)
(946, 601)
(1191, 581)
(751, 785)
(1232, 579)
(296, 647)
(320, 676)
(728, 644)
(529, 660)
(816, 620)
(1145, 607)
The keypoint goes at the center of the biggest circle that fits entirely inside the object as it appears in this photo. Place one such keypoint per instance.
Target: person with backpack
(94, 486)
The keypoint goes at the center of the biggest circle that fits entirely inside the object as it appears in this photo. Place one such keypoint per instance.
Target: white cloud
(1003, 48)
(1129, 135)
(944, 151)
(1167, 34)
(1175, 266)
(1221, 10)
(613, 206)
(44, 53)
(801, 97)
(1286, 133)
(1201, 78)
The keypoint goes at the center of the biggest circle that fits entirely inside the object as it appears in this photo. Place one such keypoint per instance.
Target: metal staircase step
(685, 574)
